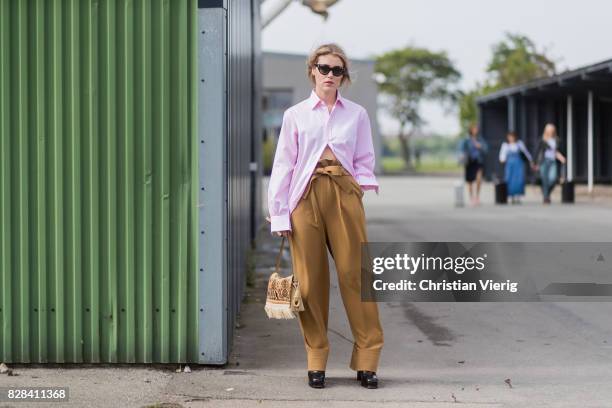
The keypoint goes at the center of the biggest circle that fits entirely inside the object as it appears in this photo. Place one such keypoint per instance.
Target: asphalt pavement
(435, 355)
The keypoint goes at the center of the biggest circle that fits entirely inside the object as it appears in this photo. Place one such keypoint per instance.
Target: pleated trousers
(330, 215)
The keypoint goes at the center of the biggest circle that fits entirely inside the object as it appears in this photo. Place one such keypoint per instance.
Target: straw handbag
(283, 299)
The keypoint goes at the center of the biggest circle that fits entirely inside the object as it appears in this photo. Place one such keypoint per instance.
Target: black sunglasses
(324, 69)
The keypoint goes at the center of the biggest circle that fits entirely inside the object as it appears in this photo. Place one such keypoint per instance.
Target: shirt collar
(314, 99)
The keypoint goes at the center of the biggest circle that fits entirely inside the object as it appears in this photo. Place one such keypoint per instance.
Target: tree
(407, 77)
(515, 60)
(468, 109)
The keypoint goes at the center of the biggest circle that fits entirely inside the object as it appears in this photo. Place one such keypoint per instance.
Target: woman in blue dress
(513, 155)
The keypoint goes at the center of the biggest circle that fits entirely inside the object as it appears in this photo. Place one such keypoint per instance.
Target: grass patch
(439, 166)
(250, 268)
(392, 164)
(428, 164)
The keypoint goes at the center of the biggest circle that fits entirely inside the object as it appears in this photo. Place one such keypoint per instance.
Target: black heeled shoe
(368, 379)
(316, 378)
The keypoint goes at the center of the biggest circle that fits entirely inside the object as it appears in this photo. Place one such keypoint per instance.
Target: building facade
(578, 102)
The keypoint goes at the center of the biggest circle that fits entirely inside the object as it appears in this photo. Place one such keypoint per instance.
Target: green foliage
(437, 154)
(468, 108)
(431, 144)
(409, 75)
(436, 144)
(268, 147)
(392, 164)
(440, 164)
(427, 164)
(516, 60)
(250, 268)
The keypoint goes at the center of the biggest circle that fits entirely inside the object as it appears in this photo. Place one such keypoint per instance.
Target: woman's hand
(279, 233)
(561, 158)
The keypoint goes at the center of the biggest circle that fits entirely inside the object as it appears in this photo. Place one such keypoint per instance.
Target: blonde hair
(327, 49)
(553, 128)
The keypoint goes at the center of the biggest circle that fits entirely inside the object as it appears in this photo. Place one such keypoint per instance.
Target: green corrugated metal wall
(98, 181)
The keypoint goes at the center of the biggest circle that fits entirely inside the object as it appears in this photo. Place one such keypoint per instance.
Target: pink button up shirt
(307, 128)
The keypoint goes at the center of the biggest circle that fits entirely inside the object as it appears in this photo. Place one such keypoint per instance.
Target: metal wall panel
(212, 128)
(257, 141)
(98, 181)
(240, 135)
(227, 54)
(493, 126)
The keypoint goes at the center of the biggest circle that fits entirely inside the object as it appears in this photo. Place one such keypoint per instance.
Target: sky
(573, 33)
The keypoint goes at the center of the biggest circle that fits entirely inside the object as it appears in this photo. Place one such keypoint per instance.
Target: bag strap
(280, 253)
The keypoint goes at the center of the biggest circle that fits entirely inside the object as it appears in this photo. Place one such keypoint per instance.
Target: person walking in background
(472, 154)
(324, 162)
(417, 156)
(513, 155)
(549, 151)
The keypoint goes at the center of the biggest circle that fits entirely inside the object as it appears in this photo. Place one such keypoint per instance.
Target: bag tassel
(283, 298)
(278, 311)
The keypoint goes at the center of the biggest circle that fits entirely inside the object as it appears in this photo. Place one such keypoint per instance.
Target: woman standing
(549, 151)
(324, 162)
(511, 155)
(473, 149)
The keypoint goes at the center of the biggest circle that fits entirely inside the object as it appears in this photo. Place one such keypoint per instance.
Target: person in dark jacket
(472, 151)
(548, 153)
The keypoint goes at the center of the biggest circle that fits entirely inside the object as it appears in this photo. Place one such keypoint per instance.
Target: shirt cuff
(368, 183)
(280, 223)
(370, 187)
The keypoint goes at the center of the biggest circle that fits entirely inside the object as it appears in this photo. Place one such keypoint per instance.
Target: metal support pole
(511, 113)
(570, 138)
(590, 142)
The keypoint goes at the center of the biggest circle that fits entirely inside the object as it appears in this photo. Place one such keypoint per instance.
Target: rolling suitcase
(567, 192)
(567, 187)
(501, 193)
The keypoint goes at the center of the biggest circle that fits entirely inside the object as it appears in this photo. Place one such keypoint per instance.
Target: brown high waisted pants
(330, 214)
